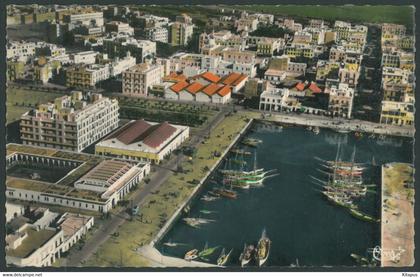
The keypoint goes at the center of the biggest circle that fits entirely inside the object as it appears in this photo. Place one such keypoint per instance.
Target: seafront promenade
(340, 124)
(397, 224)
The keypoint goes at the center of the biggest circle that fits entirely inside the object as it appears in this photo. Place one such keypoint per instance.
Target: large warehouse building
(140, 140)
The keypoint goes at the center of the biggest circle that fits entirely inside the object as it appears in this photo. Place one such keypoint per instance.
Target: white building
(340, 100)
(141, 140)
(138, 79)
(94, 18)
(157, 34)
(82, 121)
(20, 50)
(101, 182)
(118, 66)
(13, 210)
(86, 57)
(40, 246)
(273, 99)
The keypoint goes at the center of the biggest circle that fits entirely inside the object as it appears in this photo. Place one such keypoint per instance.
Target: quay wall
(340, 124)
(197, 189)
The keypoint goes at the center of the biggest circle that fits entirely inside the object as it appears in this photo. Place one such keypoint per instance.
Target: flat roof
(65, 187)
(107, 171)
(32, 242)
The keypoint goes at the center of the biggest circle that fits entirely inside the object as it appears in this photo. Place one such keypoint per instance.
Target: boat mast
(353, 155)
(336, 161)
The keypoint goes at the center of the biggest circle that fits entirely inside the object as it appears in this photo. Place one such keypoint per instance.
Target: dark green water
(301, 223)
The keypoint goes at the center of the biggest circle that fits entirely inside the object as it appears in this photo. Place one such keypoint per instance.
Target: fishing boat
(223, 257)
(173, 244)
(208, 198)
(195, 222)
(362, 260)
(316, 130)
(339, 201)
(241, 152)
(251, 142)
(207, 251)
(191, 255)
(226, 193)
(246, 255)
(343, 131)
(363, 216)
(206, 212)
(263, 249)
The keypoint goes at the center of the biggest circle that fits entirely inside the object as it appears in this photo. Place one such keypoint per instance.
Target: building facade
(71, 122)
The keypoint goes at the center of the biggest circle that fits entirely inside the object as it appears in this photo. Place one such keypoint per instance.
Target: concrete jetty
(156, 259)
(341, 124)
(397, 224)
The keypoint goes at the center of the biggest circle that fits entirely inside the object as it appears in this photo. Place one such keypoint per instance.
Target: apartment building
(86, 76)
(71, 122)
(340, 101)
(180, 33)
(138, 79)
(119, 27)
(118, 46)
(160, 34)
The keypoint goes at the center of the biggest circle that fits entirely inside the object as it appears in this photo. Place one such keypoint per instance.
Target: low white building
(142, 141)
(273, 99)
(13, 210)
(86, 57)
(40, 246)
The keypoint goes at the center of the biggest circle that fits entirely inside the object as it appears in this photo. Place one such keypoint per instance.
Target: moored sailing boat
(263, 249)
(191, 255)
(223, 258)
(246, 255)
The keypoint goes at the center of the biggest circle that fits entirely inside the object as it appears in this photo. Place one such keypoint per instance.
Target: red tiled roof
(224, 91)
(314, 88)
(140, 130)
(240, 79)
(179, 86)
(231, 78)
(194, 87)
(211, 89)
(131, 132)
(210, 77)
(160, 133)
(300, 86)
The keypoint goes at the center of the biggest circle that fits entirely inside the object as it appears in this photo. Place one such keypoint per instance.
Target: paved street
(157, 178)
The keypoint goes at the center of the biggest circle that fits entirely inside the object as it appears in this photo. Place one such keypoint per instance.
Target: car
(135, 210)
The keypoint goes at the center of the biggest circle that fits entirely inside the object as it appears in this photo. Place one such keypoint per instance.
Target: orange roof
(231, 78)
(240, 79)
(173, 76)
(315, 88)
(224, 91)
(179, 86)
(211, 89)
(300, 86)
(210, 77)
(194, 87)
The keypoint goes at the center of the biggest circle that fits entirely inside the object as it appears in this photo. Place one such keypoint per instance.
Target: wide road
(157, 178)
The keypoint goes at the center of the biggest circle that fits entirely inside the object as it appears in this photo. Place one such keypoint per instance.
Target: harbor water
(303, 226)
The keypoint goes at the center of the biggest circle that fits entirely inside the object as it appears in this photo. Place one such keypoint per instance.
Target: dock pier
(150, 251)
(397, 215)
